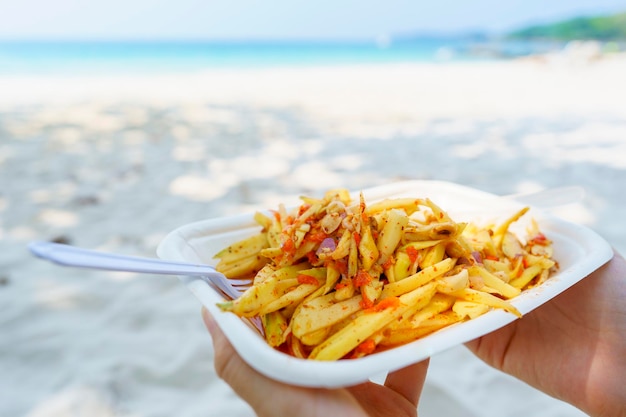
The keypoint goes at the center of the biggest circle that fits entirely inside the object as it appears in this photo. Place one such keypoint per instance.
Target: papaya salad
(337, 278)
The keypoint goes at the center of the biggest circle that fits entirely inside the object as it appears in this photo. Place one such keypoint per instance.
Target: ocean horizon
(97, 57)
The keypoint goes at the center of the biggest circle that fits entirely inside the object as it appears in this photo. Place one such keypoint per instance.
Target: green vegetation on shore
(601, 28)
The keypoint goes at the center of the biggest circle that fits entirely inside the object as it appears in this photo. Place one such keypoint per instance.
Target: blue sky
(276, 19)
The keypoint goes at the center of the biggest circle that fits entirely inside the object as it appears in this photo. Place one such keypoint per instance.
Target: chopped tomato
(357, 237)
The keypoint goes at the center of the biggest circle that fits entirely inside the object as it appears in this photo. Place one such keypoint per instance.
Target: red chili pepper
(340, 285)
(362, 278)
(342, 266)
(303, 208)
(413, 253)
(365, 348)
(390, 302)
(307, 279)
(362, 210)
(312, 258)
(366, 303)
(540, 239)
(317, 236)
(388, 263)
(289, 246)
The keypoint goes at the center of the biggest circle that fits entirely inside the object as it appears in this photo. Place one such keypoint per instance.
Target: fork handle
(68, 255)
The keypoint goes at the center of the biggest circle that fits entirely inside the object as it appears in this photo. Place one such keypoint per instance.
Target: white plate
(578, 250)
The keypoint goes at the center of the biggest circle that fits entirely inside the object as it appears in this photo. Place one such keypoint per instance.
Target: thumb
(209, 321)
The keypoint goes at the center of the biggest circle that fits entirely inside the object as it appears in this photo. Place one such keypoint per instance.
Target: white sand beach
(115, 163)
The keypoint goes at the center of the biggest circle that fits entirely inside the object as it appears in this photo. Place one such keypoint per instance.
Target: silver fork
(67, 255)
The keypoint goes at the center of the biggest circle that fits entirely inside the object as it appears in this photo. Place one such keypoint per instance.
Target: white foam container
(578, 250)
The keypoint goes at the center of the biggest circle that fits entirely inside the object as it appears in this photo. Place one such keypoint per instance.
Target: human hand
(573, 347)
(398, 396)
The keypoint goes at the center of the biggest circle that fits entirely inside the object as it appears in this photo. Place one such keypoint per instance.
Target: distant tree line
(602, 28)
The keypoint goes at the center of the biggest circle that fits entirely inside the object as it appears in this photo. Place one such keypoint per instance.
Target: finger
(261, 392)
(232, 369)
(409, 381)
(209, 321)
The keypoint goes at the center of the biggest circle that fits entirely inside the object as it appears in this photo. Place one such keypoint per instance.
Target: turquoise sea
(55, 57)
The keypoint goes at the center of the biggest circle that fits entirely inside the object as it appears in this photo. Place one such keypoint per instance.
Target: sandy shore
(115, 163)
